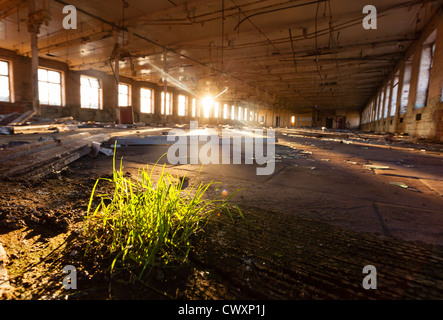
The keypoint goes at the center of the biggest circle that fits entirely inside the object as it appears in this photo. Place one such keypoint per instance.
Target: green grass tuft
(147, 223)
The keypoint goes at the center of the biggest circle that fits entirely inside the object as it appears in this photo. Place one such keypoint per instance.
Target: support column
(175, 107)
(116, 57)
(34, 73)
(117, 80)
(35, 20)
(273, 117)
(157, 102)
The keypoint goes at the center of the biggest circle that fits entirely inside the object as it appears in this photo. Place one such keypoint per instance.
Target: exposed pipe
(165, 48)
(275, 10)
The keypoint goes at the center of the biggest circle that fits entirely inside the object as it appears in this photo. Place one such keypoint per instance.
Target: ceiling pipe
(165, 48)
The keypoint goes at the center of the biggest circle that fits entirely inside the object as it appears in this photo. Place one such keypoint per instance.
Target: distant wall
(419, 121)
(21, 96)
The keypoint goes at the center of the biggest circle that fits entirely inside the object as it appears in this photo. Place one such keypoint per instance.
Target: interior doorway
(341, 121)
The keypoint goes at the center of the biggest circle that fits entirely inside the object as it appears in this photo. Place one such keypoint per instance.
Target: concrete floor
(326, 179)
(310, 227)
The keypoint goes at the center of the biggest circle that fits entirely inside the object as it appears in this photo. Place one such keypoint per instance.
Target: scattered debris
(107, 151)
(404, 186)
(370, 166)
(36, 160)
(95, 149)
(23, 118)
(6, 130)
(389, 138)
(5, 119)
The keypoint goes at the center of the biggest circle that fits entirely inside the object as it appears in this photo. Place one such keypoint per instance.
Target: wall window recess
(166, 104)
(387, 99)
(424, 73)
(124, 95)
(5, 88)
(225, 111)
(381, 103)
(216, 109)
(146, 100)
(194, 108)
(90, 92)
(232, 112)
(418, 116)
(182, 105)
(50, 87)
(406, 85)
(394, 95)
(377, 106)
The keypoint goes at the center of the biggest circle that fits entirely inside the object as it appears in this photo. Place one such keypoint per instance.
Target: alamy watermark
(370, 21)
(70, 281)
(249, 142)
(370, 281)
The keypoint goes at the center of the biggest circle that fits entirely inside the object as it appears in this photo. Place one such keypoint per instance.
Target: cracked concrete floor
(334, 183)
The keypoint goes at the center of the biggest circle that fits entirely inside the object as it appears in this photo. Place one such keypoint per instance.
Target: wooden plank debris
(6, 130)
(37, 159)
(46, 157)
(23, 118)
(7, 118)
(44, 128)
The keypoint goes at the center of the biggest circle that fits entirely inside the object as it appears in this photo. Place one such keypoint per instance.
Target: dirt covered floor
(309, 229)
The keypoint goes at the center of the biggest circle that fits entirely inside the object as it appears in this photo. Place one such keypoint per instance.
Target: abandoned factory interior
(241, 150)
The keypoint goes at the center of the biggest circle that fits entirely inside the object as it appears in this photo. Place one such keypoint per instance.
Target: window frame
(163, 99)
(185, 106)
(151, 101)
(9, 80)
(100, 93)
(424, 74)
(61, 84)
(129, 99)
